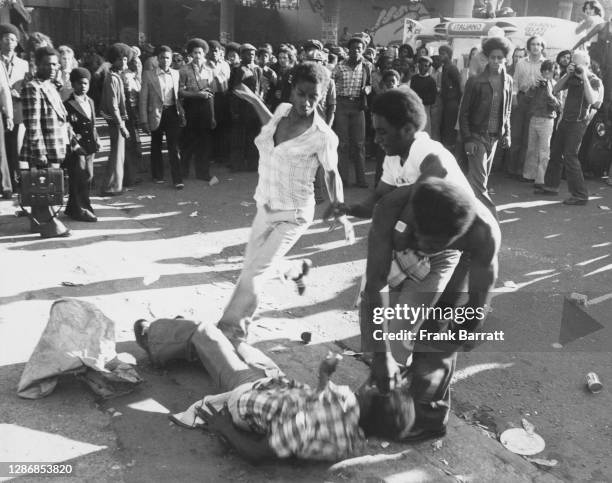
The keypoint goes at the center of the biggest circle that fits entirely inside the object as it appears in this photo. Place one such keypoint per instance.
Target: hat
(9, 28)
(215, 45)
(360, 37)
(246, 47)
(425, 58)
(232, 47)
(315, 55)
(79, 73)
(313, 44)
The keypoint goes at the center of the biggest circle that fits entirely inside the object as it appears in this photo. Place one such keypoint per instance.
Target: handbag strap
(55, 213)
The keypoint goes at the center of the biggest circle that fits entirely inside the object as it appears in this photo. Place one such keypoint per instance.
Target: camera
(578, 70)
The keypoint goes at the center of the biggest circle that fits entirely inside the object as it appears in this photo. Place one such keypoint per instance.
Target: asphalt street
(157, 252)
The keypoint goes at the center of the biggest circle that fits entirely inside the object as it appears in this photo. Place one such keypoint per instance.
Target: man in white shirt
(421, 180)
(162, 113)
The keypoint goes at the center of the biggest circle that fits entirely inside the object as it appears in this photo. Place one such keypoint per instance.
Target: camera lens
(578, 70)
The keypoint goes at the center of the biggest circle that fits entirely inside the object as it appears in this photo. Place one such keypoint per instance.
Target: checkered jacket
(301, 422)
(45, 121)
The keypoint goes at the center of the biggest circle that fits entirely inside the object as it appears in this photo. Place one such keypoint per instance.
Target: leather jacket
(476, 106)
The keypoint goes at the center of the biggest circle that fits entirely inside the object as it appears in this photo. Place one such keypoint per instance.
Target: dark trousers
(132, 152)
(197, 144)
(80, 174)
(519, 128)
(564, 153)
(448, 133)
(168, 125)
(244, 130)
(350, 128)
(12, 155)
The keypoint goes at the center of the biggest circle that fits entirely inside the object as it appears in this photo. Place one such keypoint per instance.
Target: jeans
(564, 152)
(479, 164)
(273, 234)
(519, 128)
(226, 364)
(116, 160)
(538, 148)
(168, 125)
(350, 128)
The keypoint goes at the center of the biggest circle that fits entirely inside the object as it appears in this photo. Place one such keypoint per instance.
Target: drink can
(593, 383)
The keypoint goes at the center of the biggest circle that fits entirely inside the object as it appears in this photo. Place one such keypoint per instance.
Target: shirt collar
(160, 71)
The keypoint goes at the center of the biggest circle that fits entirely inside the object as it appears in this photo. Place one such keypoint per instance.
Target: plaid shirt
(287, 171)
(301, 422)
(349, 80)
(44, 118)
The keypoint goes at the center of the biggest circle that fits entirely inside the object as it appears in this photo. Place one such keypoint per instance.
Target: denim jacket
(476, 106)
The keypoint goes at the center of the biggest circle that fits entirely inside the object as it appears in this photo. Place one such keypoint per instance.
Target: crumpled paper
(78, 339)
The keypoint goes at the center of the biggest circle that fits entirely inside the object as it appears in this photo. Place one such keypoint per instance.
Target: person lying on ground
(265, 415)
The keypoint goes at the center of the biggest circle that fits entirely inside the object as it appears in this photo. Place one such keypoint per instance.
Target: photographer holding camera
(584, 91)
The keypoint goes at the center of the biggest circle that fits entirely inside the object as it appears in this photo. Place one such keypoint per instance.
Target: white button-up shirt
(167, 86)
(287, 171)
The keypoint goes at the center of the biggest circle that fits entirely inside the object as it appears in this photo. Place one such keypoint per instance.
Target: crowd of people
(188, 96)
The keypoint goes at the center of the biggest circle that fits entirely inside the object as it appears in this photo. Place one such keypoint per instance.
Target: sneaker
(573, 201)
(300, 282)
(179, 186)
(213, 181)
(141, 328)
(159, 181)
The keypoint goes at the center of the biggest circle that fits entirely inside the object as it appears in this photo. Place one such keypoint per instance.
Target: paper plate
(520, 441)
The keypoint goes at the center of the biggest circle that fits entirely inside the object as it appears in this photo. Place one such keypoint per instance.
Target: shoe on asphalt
(300, 283)
(179, 186)
(112, 193)
(85, 215)
(418, 435)
(544, 191)
(141, 327)
(158, 181)
(573, 201)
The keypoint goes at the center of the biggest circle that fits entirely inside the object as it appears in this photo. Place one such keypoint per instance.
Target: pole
(227, 14)
(143, 31)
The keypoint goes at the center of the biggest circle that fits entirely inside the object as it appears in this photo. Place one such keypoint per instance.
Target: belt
(346, 98)
(168, 107)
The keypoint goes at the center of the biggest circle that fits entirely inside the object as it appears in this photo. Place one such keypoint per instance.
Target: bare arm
(594, 31)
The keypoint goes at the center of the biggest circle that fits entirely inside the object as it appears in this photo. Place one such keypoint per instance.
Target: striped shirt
(349, 80)
(287, 171)
(301, 422)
